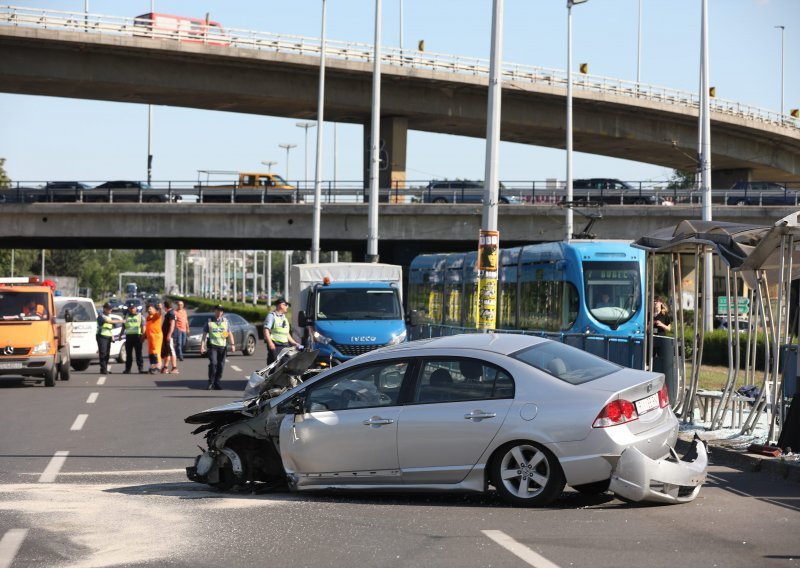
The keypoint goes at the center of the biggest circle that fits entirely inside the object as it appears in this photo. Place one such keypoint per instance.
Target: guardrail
(354, 51)
(528, 193)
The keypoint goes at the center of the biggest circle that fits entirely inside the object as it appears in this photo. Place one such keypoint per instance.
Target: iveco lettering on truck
(346, 309)
(33, 343)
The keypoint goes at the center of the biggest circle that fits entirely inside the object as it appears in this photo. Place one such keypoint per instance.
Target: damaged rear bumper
(637, 477)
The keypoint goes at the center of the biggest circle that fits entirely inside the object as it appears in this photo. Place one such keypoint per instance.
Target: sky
(51, 138)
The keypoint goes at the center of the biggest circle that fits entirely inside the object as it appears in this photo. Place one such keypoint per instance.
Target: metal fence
(392, 56)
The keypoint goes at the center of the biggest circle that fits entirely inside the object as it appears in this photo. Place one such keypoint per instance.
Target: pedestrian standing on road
(181, 329)
(216, 336)
(152, 330)
(105, 336)
(168, 356)
(278, 330)
(133, 332)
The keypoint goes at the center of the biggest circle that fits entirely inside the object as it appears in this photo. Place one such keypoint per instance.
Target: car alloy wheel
(250, 345)
(526, 474)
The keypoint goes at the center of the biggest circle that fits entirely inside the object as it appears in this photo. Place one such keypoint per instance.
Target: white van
(83, 343)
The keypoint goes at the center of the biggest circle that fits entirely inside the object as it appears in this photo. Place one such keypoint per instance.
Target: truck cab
(349, 308)
(250, 187)
(33, 343)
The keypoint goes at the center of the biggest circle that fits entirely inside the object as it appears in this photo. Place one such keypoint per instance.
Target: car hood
(238, 407)
(360, 331)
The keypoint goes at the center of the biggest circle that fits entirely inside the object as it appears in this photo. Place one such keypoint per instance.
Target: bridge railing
(528, 193)
(363, 52)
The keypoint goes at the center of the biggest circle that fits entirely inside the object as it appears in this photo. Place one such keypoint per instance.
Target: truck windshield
(357, 304)
(15, 306)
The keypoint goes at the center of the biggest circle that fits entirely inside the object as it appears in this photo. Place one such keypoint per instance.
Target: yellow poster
(488, 261)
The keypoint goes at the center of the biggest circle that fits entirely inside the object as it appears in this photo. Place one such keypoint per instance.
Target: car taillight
(663, 397)
(616, 412)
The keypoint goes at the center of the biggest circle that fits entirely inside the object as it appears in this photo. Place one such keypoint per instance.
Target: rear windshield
(82, 310)
(566, 363)
(23, 306)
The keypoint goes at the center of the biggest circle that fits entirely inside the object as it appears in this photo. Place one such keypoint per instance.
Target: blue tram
(594, 287)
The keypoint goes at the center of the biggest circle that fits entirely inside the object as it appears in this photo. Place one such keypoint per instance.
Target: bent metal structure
(765, 260)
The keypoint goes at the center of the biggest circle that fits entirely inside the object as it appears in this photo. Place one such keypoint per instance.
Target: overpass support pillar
(724, 179)
(393, 143)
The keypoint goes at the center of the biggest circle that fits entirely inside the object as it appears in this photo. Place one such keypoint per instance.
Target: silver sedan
(523, 415)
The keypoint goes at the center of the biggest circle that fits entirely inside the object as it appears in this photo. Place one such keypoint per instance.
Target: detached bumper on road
(637, 477)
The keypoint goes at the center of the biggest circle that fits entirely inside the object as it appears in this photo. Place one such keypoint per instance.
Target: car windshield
(357, 304)
(612, 290)
(23, 306)
(566, 363)
(199, 320)
(82, 310)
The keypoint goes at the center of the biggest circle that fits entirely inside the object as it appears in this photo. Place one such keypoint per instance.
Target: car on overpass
(463, 191)
(64, 191)
(122, 191)
(762, 193)
(613, 192)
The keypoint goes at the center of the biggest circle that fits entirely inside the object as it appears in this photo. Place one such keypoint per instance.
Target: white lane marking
(101, 381)
(79, 422)
(235, 368)
(92, 398)
(519, 550)
(9, 545)
(51, 471)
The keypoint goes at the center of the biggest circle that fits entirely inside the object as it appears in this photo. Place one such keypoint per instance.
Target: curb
(774, 468)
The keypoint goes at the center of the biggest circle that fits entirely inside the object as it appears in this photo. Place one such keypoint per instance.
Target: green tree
(682, 179)
(5, 181)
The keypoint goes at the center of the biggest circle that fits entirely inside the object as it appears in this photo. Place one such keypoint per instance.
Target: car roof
(503, 343)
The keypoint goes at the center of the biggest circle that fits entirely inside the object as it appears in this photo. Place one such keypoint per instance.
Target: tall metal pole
(269, 278)
(781, 28)
(401, 27)
(315, 238)
(705, 169)
(639, 48)
(568, 220)
(150, 122)
(489, 236)
(287, 147)
(287, 266)
(255, 277)
(305, 126)
(375, 134)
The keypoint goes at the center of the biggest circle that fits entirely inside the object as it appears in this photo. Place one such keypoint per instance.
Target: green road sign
(742, 305)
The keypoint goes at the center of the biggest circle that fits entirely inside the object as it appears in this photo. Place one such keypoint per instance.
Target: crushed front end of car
(637, 477)
(242, 436)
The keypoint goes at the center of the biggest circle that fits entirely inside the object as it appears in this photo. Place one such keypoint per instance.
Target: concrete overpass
(271, 77)
(405, 230)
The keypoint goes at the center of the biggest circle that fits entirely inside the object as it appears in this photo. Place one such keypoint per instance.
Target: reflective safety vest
(218, 332)
(104, 330)
(280, 328)
(133, 324)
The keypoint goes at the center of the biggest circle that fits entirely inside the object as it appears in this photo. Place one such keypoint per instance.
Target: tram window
(452, 312)
(426, 298)
(470, 303)
(548, 305)
(507, 314)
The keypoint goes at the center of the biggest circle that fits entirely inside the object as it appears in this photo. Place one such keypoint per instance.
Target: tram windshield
(612, 290)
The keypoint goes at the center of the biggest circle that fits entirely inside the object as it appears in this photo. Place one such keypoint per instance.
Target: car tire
(80, 364)
(63, 370)
(524, 473)
(123, 355)
(503, 201)
(640, 201)
(249, 346)
(50, 377)
(595, 488)
(440, 200)
(741, 202)
(152, 199)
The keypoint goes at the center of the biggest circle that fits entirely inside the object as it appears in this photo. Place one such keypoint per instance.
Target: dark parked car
(612, 192)
(64, 191)
(123, 308)
(245, 334)
(127, 192)
(462, 192)
(762, 193)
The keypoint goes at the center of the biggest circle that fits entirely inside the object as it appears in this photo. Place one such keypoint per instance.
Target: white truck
(345, 309)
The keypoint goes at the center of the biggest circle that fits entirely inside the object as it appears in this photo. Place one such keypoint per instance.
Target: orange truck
(32, 342)
(251, 187)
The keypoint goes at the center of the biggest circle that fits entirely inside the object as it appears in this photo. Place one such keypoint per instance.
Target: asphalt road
(92, 475)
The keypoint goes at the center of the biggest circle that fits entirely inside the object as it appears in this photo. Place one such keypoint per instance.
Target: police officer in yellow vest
(105, 325)
(216, 335)
(133, 331)
(278, 330)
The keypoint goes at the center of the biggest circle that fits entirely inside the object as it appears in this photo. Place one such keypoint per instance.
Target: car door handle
(377, 421)
(479, 415)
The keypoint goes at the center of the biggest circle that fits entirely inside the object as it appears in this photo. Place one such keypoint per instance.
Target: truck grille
(17, 351)
(358, 349)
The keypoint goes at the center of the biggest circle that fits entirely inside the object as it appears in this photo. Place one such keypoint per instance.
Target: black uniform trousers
(133, 343)
(103, 349)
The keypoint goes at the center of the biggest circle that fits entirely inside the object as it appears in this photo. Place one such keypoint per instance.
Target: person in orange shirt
(154, 335)
(181, 329)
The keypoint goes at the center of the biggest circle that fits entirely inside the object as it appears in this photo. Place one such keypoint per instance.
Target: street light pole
(305, 126)
(705, 167)
(781, 28)
(269, 164)
(568, 221)
(318, 165)
(374, 142)
(287, 147)
(639, 48)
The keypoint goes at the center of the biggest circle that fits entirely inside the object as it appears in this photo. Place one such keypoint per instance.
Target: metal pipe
(315, 238)
(375, 133)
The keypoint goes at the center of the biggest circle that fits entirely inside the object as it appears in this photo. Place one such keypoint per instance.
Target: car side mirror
(412, 318)
(68, 316)
(296, 405)
(303, 319)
